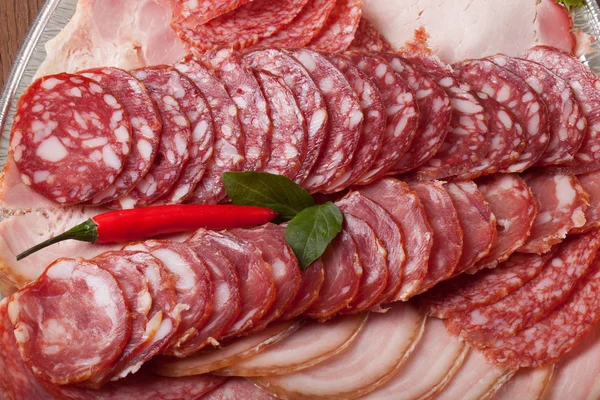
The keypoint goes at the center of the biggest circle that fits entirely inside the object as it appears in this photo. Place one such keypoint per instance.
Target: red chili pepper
(143, 223)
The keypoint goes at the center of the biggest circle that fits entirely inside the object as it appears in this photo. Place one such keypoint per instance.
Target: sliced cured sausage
(562, 202)
(401, 110)
(590, 183)
(515, 208)
(97, 324)
(310, 287)
(514, 93)
(368, 38)
(200, 12)
(238, 389)
(345, 120)
(70, 138)
(447, 232)
(567, 124)
(288, 142)
(527, 384)
(406, 209)
(584, 83)
(308, 96)
(228, 152)
(338, 31)
(146, 128)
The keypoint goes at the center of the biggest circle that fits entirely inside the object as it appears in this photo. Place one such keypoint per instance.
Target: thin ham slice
(527, 384)
(238, 389)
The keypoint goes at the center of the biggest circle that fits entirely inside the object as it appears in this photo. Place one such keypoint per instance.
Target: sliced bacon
(313, 278)
(527, 384)
(238, 389)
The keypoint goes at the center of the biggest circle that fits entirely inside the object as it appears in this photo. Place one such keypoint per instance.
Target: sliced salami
(238, 389)
(562, 202)
(497, 83)
(447, 232)
(523, 308)
(345, 120)
(343, 269)
(70, 138)
(401, 110)
(310, 287)
(367, 38)
(406, 209)
(288, 142)
(146, 128)
(95, 302)
(515, 208)
(338, 31)
(308, 97)
(565, 117)
(591, 184)
(200, 12)
(228, 151)
(585, 84)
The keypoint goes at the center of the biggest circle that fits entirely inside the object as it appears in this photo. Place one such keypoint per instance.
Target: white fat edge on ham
(15, 196)
(527, 384)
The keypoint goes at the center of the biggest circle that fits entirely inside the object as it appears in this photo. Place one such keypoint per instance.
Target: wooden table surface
(15, 18)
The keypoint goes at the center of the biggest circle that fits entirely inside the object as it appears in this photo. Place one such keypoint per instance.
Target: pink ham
(527, 384)
(238, 389)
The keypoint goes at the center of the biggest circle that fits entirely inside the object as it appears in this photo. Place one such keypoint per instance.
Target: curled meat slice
(527, 384)
(238, 389)
(591, 184)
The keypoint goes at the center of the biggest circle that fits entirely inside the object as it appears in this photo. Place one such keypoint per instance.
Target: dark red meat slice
(308, 96)
(97, 323)
(565, 117)
(270, 240)
(70, 138)
(466, 143)
(257, 287)
(338, 31)
(591, 184)
(310, 286)
(562, 202)
(228, 152)
(288, 142)
(406, 209)
(447, 232)
(493, 81)
(368, 38)
(146, 128)
(345, 120)
(238, 389)
(401, 110)
(200, 12)
(343, 272)
(523, 308)
(515, 208)
(476, 220)
(374, 122)
(585, 84)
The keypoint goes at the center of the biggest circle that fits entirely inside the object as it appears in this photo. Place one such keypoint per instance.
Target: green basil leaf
(262, 189)
(571, 3)
(311, 231)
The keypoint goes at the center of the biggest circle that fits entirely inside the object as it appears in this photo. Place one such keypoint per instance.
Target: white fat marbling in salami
(338, 31)
(200, 12)
(368, 38)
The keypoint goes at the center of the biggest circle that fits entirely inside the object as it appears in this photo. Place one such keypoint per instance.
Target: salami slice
(95, 302)
(310, 287)
(367, 38)
(388, 232)
(515, 208)
(70, 138)
(562, 202)
(584, 83)
(523, 308)
(174, 148)
(146, 128)
(406, 209)
(565, 117)
(374, 123)
(476, 220)
(200, 12)
(401, 110)
(343, 269)
(228, 152)
(556, 334)
(308, 97)
(447, 232)
(345, 120)
(466, 142)
(238, 389)
(591, 184)
(338, 31)
(515, 94)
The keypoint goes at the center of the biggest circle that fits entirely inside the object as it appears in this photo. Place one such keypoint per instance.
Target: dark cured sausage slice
(567, 123)
(338, 31)
(288, 142)
(387, 230)
(310, 286)
(367, 38)
(70, 138)
(591, 184)
(406, 209)
(585, 84)
(238, 389)
(345, 120)
(97, 323)
(246, 93)
(562, 202)
(343, 271)
(512, 92)
(228, 152)
(523, 308)
(146, 128)
(308, 97)
(401, 110)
